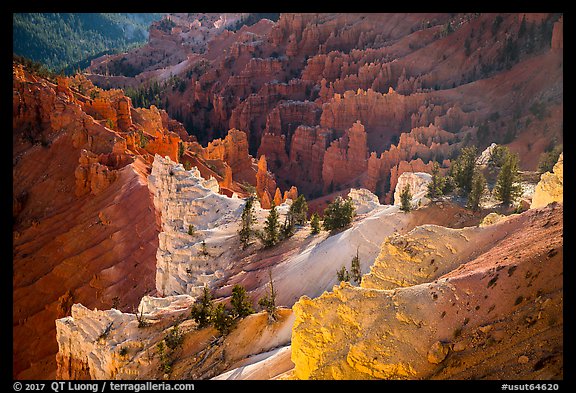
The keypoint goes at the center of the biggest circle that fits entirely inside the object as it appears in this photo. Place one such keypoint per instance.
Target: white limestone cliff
(418, 182)
(186, 263)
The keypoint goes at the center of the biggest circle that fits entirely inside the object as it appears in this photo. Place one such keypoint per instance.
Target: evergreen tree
(449, 184)
(203, 250)
(507, 188)
(298, 212)
(478, 187)
(406, 199)
(174, 338)
(241, 305)
(202, 310)
(286, 229)
(297, 215)
(342, 274)
(497, 156)
(436, 186)
(248, 219)
(315, 223)
(463, 169)
(181, 150)
(271, 234)
(222, 319)
(355, 272)
(338, 214)
(549, 159)
(268, 301)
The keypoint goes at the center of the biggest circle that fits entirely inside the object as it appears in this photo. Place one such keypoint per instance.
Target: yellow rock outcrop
(408, 321)
(550, 187)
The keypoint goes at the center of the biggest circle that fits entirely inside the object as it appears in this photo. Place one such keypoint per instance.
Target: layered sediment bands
(307, 151)
(281, 124)
(91, 176)
(392, 72)
(297, 92)
(234, 151)
(383, 115)
(288, 115)
(418, 323)
(96, 247)
(346, 158)
(82, 209)
(273, 147)
(85, 228)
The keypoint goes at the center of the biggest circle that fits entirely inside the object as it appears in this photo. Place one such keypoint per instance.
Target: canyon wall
(84, 225)
(392, 72)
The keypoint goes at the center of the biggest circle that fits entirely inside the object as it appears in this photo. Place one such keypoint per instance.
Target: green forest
(68, 41)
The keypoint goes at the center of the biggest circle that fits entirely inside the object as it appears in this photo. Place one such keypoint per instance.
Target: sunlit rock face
(551, 186)
(418, 183)
(444, 297)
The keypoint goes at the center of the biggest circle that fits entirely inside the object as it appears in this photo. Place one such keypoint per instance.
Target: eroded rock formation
(114, 345)
(85, 229)
(418, 182)
(437, 303)
(324, 101)
(183, 199)
(346, 158)
(550, 188)
(82, 204)
(327, 71)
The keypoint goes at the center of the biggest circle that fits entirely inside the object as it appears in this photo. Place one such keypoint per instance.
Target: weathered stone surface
(90, 341)
(346, 158)
(364, 201)
(492, 218)
(110, 344)
(307, 151)
(438, 352)
(550, 188)
(265, 183)
(413, 166)
(91, 176)
(403, 330)
(380, 114)
(64, 251)
(273, 146)
(234, 151)
(184, 198)
(418, 182)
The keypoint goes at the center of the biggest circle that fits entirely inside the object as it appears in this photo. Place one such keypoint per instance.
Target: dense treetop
(69, 40)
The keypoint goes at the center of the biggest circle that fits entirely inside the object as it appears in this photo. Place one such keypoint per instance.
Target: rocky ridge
(184, 198)
(498, 301)
(81, 158)
(114, 345)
